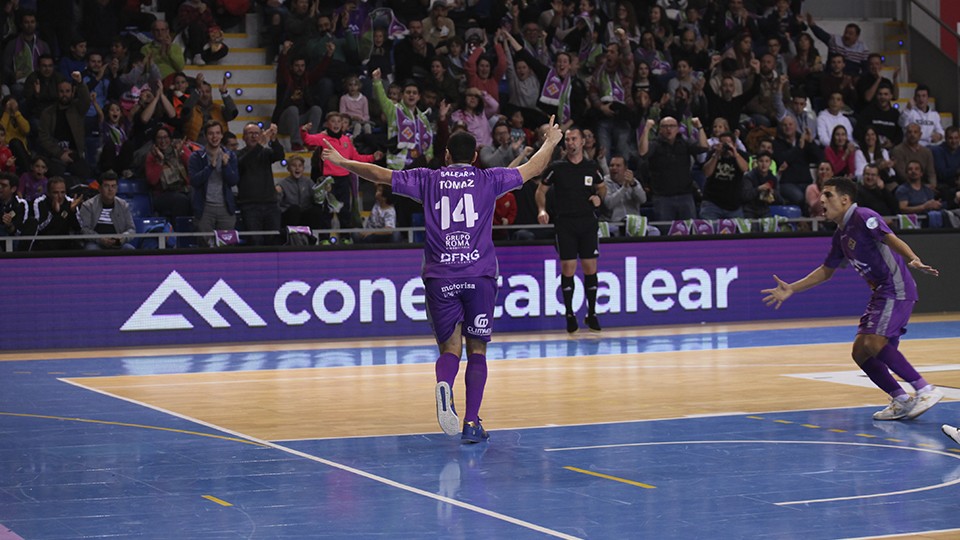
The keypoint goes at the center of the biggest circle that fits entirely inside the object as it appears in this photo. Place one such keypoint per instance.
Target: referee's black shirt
(573, 184)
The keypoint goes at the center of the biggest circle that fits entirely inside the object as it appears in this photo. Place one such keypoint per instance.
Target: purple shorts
(886, 317)
(463, 300)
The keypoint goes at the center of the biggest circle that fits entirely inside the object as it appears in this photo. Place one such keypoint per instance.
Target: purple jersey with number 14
(458, 204)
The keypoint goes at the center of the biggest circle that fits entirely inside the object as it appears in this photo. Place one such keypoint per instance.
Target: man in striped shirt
(848, 45)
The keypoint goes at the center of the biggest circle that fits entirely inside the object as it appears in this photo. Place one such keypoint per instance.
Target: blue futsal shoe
(446, 413)
(473, 432)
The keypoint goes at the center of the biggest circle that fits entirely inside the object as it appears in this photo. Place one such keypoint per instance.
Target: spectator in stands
(831, 117)
(447, 88)
(873, 194)
(794, 104)
(8, 163)
(503, 150)
(108, 216)
(60, 133)
(911, 150)
(151, 111)
(609, 93)
(162, 51)
(651, 52)
(40, 89)
(194, 19)
(256, 190)
(781, 22)
(166, 173)
(116, 147)
(760, 187)
(562, 93)
(848, 44)
(478, 111)
(200, 109)
(381, 55)
(688, 48)
(409, 125)
(214, 50)
(735, 21)
(883, 117)
(593, 151)
(213, 172)
(479, 70)
(642, 80)
(16, 129)
(342, 181)
(761, 108)
(774, 49)
(74, 58)
(742, 55)
(920, 112)
(946, 157)
(624, 18)
(727, 105)
(355, 108)
(836, 79)
(806, 66)
(841, 153)
(624, 195)
(21, 56)
(383, 215)
(299, 94)
(915, 196)
(723, 193)
(870, 151)
(343, 53)
(33, 183)
(56, 215)
(794, 152)
(437, 27)
(813, 191)
(299, 204)
(669, 158)
(14, 210)
(413, 54)
(871, 80)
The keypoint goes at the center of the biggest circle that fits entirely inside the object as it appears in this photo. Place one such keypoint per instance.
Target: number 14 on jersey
(462, 212)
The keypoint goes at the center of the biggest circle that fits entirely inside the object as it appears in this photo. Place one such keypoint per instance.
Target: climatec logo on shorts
(480, 326)
(146, 317)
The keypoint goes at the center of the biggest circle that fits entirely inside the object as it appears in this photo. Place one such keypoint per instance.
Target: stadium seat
(184, 224)
(787, 211)
(140, 204)
(132, 186)
(152, 225)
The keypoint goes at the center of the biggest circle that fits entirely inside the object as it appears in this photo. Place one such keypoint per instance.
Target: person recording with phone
(723, 191)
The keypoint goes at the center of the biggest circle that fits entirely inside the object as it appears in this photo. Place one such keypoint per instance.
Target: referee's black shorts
(577, 237)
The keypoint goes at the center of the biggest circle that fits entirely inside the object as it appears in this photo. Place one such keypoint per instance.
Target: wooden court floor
(359, 409)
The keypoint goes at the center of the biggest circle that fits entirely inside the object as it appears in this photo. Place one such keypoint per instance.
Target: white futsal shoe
(951, 432)
(896, 410)
(924, 400)
(446, 413)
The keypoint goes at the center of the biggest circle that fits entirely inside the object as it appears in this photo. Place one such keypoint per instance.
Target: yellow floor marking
(755, 417)
(124, 424)
(866, 435)
(811, 426)
(221, 502)
(895, 440)
(614, 478)
(783, 421)
(838, 430)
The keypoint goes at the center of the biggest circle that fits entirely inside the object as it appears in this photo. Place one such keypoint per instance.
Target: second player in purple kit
(459, 263)
(884, 261)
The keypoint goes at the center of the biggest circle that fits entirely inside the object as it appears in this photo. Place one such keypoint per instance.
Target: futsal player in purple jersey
(884, 262)
(459, 263)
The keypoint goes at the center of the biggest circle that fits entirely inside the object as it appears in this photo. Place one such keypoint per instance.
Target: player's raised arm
(541, 159)
(908, 255)
(369, 171)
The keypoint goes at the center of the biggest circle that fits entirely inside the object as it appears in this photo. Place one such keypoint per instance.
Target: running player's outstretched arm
(369, 171)
(908, 255)
(777, 296)
(541, 159)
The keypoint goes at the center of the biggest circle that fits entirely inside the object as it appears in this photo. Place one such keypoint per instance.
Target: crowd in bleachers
(711, 109)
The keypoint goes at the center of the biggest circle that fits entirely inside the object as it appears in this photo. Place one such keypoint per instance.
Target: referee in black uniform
(578, 191)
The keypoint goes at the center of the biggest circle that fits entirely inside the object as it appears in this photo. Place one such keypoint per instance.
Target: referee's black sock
(566, 287)
(590, 284)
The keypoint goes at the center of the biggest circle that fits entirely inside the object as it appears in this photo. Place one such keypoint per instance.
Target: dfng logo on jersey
(145, 318)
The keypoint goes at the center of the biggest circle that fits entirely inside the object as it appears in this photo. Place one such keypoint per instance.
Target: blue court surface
(77, 463)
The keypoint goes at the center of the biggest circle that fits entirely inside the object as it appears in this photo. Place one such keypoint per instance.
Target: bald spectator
(669, 158)
(911, 150)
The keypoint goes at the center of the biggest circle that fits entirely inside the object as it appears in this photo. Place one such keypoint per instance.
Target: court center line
(809, 501)
(346, 468)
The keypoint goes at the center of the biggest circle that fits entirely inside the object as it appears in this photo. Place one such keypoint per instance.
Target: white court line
(358, 472)
(903, 535)
(788, 503)
(858, 378)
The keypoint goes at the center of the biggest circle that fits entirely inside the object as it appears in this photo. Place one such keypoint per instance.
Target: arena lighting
(260, 124)
(249, 108)
(227, 74)
(239, 91)
(283, 162)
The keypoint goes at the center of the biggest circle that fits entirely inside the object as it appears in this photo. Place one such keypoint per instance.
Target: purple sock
(880, 375)
(476, 379)
(898, 364)
(447, 366)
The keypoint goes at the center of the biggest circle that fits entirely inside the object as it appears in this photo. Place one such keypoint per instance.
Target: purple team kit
(459, 264)
(860, 240)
